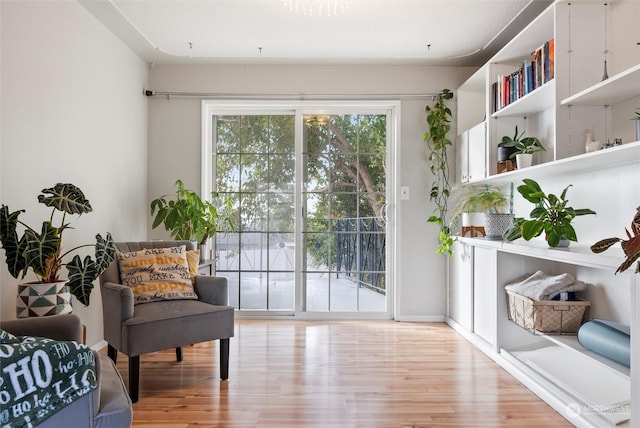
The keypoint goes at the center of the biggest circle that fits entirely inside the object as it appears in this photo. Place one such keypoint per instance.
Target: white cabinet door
(485, 294)
(462, 158)
(476, 150)
(461, 285)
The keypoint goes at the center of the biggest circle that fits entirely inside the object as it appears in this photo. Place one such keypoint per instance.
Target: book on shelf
(534, 72)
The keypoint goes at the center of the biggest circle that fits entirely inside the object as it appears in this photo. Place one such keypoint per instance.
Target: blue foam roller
(607, 338)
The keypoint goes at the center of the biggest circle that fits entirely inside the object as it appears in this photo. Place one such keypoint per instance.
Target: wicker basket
(547, 316)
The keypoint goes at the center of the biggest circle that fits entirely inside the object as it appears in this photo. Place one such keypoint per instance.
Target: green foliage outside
(344, 174)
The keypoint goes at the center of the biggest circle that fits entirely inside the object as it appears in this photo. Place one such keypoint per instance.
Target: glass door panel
(339, 209)
(343, 199)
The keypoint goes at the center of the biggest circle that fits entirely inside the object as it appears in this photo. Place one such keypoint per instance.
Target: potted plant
(487, 206)
(493, 201)
(188, 217)
(439, 123)
(551, 215)
(630, 246)
(41, 251)
(523, 148)
(467, 212)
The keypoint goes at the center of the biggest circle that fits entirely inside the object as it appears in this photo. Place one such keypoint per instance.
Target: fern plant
(439, 122)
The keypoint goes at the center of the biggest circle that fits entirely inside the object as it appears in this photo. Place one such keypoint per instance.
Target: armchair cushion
(156, 274)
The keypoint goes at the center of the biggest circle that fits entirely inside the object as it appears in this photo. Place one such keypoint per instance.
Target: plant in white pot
(469, 212)
(551, 216)
(466, 213)
(524, 148)
(186, 216)
(41, 252)
(489, 200)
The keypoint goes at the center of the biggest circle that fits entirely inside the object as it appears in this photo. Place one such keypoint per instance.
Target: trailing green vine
(438, 120)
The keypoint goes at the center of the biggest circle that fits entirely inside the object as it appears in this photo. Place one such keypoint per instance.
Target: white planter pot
(36, 299)
(472, 219)
(477, 219)
(524, 160)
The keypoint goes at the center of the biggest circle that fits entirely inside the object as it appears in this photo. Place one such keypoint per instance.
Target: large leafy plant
(439, 122)
(186, 216)
(551, 215)
(41, 251)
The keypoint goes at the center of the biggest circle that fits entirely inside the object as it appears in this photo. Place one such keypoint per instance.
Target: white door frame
(391, 108)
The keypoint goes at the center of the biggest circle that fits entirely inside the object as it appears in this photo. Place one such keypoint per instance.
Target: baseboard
(420, 318)
(100, 345)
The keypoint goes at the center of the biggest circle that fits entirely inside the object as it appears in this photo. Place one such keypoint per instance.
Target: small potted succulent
(551, 216)
(41, 252)
(522, 148)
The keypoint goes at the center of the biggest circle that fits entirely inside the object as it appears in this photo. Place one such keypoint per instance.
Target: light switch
(404, 192)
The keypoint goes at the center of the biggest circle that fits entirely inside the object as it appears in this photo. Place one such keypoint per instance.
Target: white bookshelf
(586, 388)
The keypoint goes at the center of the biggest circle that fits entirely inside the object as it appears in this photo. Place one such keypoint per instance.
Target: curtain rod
(301, 96)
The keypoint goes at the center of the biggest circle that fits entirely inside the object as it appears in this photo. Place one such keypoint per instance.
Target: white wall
(72, 111)
(174, 147)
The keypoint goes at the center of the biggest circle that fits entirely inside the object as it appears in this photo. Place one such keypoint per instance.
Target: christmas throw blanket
(41, 376)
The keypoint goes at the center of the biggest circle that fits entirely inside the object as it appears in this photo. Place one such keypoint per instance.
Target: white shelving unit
(586, 388)
(614, 157)
(534, 102)
(616, 89)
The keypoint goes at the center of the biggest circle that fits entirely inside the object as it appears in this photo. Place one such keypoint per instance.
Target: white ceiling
(430, 32)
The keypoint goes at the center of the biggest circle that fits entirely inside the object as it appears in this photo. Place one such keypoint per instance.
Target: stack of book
(533, 73)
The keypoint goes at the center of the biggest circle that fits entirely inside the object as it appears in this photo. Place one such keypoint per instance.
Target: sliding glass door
(343, 200)
(255, 168)
(309, 191)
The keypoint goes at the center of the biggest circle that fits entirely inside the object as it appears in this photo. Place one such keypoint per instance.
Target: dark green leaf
(81, 277)
(16, 262)
(41, 251)
(65, 197)
(105, 251)
(531, 229)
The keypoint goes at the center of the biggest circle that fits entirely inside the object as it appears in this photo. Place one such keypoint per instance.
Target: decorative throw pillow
(193, 259)
(157, 274)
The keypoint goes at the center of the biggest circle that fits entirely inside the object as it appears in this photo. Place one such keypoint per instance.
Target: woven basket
(547, 316)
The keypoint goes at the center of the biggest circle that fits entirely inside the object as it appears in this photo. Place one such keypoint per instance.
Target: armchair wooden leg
(112, 353)
(179, 354)
(224, 359)
(134, 377)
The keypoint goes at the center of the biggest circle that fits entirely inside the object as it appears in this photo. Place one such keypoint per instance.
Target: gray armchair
(149, 327)
(106, 406)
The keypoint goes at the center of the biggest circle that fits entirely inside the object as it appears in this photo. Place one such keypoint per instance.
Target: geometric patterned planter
(496, 224)
(38, 300)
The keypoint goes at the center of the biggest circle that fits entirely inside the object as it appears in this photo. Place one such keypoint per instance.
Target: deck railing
(360, 251)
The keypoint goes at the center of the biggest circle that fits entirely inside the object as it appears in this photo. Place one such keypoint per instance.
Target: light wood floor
(286, 373)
